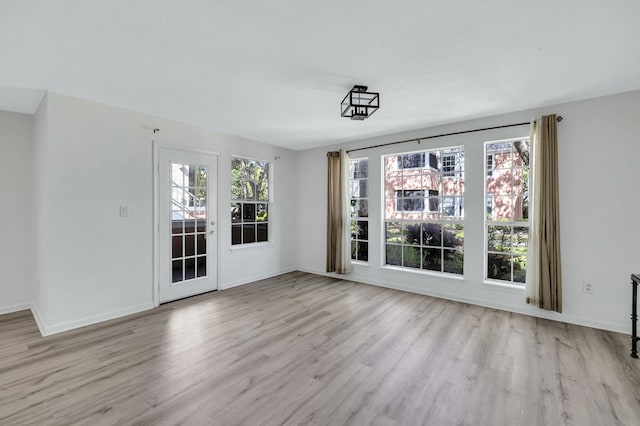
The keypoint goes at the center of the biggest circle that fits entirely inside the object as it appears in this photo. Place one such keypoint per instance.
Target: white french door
(187, 224)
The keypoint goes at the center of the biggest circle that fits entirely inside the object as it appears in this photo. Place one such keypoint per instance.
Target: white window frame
(268, 202)
(489, 173)
(359, 218)
(442, 221)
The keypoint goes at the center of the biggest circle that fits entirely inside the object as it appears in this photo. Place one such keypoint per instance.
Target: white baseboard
(14, 308)
(254, 278)
(93, 319)
(527, 310)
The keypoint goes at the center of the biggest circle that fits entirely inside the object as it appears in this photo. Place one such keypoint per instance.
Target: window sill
(251, 245)
(502, 286)
(425, 272)
(360, 263)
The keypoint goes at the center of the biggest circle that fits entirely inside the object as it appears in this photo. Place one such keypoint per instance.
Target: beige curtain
(544, 288)
(338, 221)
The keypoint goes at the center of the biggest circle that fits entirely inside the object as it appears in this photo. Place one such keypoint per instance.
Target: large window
(249, 201)
(424, 210)
(359, 188)
(507, 216)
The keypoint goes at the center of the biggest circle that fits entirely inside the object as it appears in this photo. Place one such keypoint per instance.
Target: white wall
(600, 201)
(99, 265)
(16, 249)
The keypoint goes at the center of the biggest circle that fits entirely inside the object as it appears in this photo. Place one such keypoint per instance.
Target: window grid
(507, 218)
(427, 234)
(188, 221)
(249, 201)
(359, 192)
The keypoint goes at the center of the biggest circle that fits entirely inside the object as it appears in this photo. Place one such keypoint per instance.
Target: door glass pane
(188, 217)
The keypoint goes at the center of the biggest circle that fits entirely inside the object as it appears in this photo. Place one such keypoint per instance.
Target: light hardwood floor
(305, 349)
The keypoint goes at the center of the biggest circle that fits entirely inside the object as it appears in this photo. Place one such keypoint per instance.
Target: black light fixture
(360, 104)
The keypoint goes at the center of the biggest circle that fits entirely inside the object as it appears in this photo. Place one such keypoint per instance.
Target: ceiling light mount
(359, 104)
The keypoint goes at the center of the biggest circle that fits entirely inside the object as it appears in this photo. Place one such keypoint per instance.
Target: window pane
(262, 191)
(248, 233)
(261, 213)
(500, 182)
(190, 245)
(189, 226)
(358, 169)
(393, 254)
(263, 232)
(202, 266)
(432, 234)
(362, 232)
(392, 186)
(499, 267)
(410, 161)
(248, 212)
(393, 232)
(359, 188)
(176, 269)
(411, 257)
(202, 244)
(236, 234)
(502, 208)
(519, 269)
(411, 234)
(189, 269)
(499, 238)
(432, 259)
(359, 208)
(391, 209)
(363, 251)
(520, 242)
(521, 208)
(176, 226)
(236, 212)
(392, 166)
(176, 247)
(453, 207)
(489, 203)
(249, 190)
(453, 235)
(453, 261)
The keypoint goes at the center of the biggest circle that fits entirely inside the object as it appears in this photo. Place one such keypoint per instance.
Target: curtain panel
(338, 216)
(544, 287)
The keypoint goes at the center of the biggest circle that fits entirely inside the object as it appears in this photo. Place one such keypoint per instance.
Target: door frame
(155, 231)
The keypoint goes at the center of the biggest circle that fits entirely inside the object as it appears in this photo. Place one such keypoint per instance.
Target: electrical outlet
(124, 211)
(587, 288)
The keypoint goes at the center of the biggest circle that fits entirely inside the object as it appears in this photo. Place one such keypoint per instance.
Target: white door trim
(157, 145)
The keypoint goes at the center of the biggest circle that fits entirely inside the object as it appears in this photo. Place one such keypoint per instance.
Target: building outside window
(507, 216)
(359, 190)
(249, 201)
(424, 210)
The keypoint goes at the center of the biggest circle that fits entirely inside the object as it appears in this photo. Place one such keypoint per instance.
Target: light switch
(124, 211)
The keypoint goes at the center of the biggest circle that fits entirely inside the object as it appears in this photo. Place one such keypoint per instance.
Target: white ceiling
(276, 71)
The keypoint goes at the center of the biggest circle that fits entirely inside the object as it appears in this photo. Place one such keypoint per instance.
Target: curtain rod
(559, 119)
